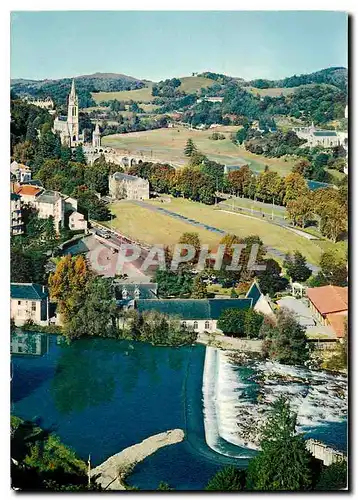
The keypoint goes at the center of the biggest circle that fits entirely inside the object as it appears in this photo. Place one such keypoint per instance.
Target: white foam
(230, 415)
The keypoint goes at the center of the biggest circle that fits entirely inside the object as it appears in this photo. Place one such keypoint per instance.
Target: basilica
(68, 127)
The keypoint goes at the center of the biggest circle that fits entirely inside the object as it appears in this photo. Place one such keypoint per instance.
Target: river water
(103, 395)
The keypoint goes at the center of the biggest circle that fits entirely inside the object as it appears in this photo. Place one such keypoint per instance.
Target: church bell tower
(72, 116)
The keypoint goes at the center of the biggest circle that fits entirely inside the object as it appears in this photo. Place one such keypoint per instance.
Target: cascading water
(236, 399)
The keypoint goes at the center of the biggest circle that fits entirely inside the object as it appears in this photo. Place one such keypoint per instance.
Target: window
(19, 302)
(33, 306)
(184, 324)
(207, 325)
(196, 326)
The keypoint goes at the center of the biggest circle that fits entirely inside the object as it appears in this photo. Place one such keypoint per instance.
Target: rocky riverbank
(111, 474)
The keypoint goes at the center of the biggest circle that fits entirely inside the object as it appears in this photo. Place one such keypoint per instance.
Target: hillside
(336, 76)
(192, 84)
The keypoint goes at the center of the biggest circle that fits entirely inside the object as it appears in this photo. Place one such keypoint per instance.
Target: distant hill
(337, 76)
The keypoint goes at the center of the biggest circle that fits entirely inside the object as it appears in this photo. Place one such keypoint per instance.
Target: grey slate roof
(48, 197)
(121, 176)
(188, 309)
(27, 291)
(323, 133)
(146, 290)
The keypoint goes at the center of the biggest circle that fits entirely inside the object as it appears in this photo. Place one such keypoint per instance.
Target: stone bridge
(119, 158)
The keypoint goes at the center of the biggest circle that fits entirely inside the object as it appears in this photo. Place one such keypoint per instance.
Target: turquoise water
(101, 395)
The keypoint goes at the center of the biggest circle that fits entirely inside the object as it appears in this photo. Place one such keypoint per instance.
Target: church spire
(73, 89)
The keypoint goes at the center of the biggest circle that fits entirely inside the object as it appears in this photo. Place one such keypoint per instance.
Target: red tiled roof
(329, 299)
(337, 323)
(27, 190)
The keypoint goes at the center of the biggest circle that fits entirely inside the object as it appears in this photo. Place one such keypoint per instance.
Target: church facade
(68, 127)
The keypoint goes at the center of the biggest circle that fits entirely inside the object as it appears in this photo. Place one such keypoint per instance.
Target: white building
(21, 172)
(324, 138)
(77, 222)
(51, 204)
(29, 302)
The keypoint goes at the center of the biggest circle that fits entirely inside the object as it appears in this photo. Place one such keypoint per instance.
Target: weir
(236, 400)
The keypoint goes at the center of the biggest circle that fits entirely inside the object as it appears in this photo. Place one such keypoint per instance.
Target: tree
(252, 323)
(300, 210)
(334, 269)
(295, 187)
(228, 479)
(193, 240)
(190, 148)
(232, 322)
(67, 285)
(199, 290)
(174, 284)
(97, 314)
(270, 279)
(79, 155)
(284, 464)
(285, 341)
(333, 477)
(296, 267)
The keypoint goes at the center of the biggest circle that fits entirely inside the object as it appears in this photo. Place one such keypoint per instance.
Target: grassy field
(140, 95)
(168, 144)
(191, 84)
(151, 227)
(271, 235)
(272, 92)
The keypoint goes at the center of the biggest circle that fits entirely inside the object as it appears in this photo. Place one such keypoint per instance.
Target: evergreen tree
(333, 477)
(284, 464)
(199, 290)
(79, 155)
(296, 267)
(228, 479)
(286, 341)
(190, 148)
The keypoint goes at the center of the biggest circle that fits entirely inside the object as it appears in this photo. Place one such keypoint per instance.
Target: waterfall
(221, 404)
(233, 412)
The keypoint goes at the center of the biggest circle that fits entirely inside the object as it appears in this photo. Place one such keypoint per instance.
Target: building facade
(77, 222)
(16, 223)
(29, 302)
(128, 187)
(22, 173)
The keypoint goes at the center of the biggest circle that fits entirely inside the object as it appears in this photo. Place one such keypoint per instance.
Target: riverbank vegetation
(40, 461)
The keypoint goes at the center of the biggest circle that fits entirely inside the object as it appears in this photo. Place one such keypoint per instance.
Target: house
(77, 222)
(199, 314)
(29, 302)
(51, 204)
(28, 193)
(329, 305)
(21, 172)
(129, 187)
(16, 224)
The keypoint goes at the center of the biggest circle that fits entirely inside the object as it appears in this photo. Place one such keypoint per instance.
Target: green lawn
(150, 227)
(271, 235)
(167, 144)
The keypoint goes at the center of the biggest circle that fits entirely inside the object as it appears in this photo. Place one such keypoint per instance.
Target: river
(101, 396)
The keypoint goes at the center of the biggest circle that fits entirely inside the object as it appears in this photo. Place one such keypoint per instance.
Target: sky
(158, 45)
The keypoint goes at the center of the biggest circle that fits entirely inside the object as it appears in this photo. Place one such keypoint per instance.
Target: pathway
(111, 474)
